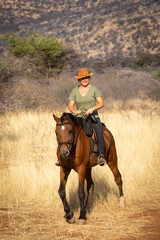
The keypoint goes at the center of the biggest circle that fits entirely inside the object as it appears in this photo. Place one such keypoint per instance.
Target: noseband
(66, 143)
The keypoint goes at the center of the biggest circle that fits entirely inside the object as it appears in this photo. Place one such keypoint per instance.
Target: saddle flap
(94, 146)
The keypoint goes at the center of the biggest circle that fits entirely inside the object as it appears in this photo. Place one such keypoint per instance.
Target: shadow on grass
(101, 191)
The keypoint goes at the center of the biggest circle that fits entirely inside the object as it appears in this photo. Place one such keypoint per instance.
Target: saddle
(90, 132)
(94, 146)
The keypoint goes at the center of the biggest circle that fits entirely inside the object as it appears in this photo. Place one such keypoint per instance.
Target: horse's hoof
(122, 202)
(69, 216)
(81, 222)
(71, 221)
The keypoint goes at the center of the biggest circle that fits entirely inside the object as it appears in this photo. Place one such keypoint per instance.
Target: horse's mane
(71, 116)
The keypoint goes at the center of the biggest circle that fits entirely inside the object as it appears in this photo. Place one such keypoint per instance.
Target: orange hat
(83, 72)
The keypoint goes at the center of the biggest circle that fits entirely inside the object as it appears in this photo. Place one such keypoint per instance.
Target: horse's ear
(55, 118)
(67, 117)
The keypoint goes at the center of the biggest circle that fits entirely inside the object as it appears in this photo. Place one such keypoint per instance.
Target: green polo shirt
(83, 103)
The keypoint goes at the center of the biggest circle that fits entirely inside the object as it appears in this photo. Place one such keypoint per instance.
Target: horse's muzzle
(64, 152)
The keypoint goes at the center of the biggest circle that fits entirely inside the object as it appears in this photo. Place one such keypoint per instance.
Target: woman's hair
(79, 80)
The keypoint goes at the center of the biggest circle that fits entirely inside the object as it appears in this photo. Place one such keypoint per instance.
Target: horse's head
(64, 133)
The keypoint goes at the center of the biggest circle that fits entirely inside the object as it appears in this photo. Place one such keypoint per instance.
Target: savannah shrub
(50, 50)
(156, 74)
(141, 60)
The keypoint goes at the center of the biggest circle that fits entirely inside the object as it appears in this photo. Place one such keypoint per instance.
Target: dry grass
(29, 179)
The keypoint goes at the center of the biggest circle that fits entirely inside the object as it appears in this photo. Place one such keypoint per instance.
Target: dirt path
(152, 229)
(47, 224)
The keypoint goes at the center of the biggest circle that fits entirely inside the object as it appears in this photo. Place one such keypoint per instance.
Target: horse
(73, 152)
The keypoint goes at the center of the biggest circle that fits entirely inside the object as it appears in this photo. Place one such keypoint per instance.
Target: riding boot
(57, 163)
(100, 141)
(101, 160)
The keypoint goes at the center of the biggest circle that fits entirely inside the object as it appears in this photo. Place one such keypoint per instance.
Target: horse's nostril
(64, 153)
(67, 153)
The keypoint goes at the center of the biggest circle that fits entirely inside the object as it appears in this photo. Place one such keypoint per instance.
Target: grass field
(30, 207)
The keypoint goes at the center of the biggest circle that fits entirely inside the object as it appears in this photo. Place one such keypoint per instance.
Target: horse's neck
(77, 129)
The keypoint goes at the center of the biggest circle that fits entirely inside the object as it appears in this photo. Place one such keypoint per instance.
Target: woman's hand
(77, 112)
(89, 111)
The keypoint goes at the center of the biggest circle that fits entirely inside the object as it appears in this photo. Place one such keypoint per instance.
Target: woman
(87, 98)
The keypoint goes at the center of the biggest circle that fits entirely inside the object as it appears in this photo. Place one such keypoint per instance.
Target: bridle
(70, 143)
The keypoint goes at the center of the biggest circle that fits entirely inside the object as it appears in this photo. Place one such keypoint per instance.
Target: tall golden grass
(30, 207)
(28, 174)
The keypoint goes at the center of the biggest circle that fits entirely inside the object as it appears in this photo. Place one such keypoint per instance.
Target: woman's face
(84, 81)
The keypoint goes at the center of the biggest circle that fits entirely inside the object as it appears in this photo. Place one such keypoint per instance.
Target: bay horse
(73, 152)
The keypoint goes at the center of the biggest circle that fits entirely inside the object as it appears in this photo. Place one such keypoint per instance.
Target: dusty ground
(28, 223)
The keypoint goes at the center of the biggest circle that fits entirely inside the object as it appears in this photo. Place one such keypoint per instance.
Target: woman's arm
(98, 106)
(71, 107)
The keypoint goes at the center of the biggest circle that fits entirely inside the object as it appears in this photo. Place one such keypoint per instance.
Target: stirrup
(101, 160)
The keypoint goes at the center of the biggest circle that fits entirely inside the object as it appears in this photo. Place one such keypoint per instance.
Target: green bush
(157, 74)
(19, 46)
(50, 50)
(141, 60)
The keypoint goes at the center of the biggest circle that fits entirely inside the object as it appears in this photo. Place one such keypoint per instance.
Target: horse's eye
(70, 131)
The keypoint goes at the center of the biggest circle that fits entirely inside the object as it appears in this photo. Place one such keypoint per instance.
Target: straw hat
(83, 72)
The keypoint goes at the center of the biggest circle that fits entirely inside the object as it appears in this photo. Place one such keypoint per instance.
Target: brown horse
(73, 152)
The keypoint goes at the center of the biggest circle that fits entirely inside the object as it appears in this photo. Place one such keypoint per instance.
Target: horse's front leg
(81, 195)
(64, 173)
